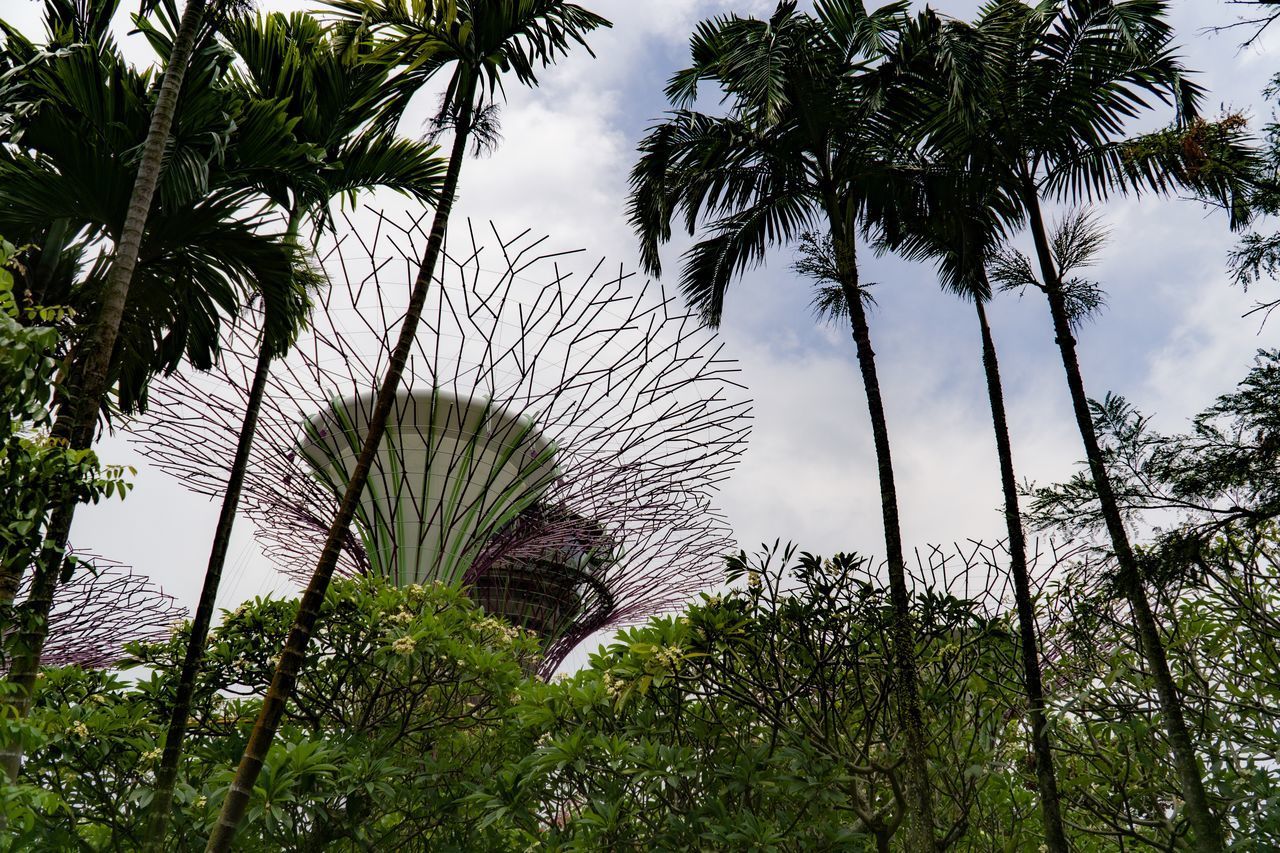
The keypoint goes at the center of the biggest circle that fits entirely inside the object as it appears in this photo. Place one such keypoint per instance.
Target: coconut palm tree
(335, 98)
(1039, 106)
(477, 42)
(804, 142)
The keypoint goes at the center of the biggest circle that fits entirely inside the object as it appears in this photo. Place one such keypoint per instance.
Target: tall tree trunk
(921, 827)
(291, 657)
(167, 772)
(32, 629)
(1046, 779)
(88, 380)
(1208, 834)
(921, 830)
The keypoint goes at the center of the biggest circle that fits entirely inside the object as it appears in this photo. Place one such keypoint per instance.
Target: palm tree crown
(803, 140)
(76, 111)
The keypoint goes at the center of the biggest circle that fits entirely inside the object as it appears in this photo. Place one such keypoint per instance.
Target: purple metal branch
(104, 606)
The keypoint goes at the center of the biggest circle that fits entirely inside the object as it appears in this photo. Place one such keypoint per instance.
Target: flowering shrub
(403, 706)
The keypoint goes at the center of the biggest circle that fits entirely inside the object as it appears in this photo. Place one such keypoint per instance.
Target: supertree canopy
(555, 446)
(102, 607)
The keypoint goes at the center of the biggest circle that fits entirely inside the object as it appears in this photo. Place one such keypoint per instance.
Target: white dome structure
(451, 471)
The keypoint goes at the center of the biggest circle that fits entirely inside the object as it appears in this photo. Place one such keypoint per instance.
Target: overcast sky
(1171, 338)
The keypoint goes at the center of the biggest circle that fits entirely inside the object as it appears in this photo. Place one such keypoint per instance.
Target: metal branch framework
(104, 605)
(616, 403)
(1070, 573)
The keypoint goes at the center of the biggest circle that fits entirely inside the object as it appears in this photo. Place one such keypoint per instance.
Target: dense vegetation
(1122, 696)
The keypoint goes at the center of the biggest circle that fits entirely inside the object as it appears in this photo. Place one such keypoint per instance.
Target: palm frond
(385, 160)
(857, 33)
(816, 260)
(705, 167)
(1084, 299)
(736, 244)
(482, 42)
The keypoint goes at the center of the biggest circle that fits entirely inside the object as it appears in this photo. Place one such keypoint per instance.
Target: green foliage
(403, 707)
(1224, 649)
(34, 467)
(74, 113)
(762, 718)
(1218, 476)
(1209, 499)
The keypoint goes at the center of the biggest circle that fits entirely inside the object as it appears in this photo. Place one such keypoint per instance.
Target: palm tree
(479, 41)
(89, 376)
(88, 380)
(74, 117)
(802, 143)
(961, 235)
(1038, 106)
(75, 110)
(332, 94)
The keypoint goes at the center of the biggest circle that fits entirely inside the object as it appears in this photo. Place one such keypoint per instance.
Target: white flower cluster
(404, 646)
(401, 617)
(669, 656)
(613, 686)
(153, 754)
(504, 633)
(753, 580)
(80, 730)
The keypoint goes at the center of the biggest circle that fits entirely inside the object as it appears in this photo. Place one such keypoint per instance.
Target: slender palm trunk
(1046, 779)
(88, 380)
(920, 791)
(291, 657)
(904, 646)
(167, 772)
(1208, 834)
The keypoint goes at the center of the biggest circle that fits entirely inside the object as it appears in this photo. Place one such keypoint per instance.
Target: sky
(1171, 338)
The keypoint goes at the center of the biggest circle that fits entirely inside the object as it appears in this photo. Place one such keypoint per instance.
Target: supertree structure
(555, 446)
(104, 606)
